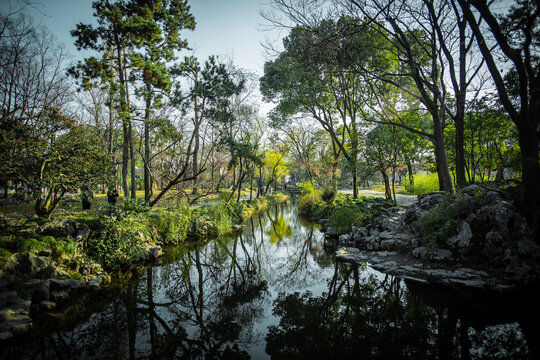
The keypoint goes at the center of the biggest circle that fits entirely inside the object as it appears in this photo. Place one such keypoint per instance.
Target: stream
(273, 290)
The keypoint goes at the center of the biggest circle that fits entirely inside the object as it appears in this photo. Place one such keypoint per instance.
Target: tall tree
(514, 39)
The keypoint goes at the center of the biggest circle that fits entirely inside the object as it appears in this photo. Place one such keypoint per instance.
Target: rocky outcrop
(411, 269)
(489, 232)
(65, 228)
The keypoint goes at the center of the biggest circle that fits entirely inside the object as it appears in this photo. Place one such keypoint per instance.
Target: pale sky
(228, 28)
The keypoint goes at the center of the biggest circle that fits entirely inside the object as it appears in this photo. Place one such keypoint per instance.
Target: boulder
(428, 201)
(425, 253)
(64, 228)
(464, 234)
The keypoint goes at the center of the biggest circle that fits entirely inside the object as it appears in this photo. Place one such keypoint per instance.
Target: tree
(60, 156)
(514, 39)
(160, 23)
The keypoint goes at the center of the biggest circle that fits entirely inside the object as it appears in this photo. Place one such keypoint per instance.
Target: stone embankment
(39, 282)
(491, 247)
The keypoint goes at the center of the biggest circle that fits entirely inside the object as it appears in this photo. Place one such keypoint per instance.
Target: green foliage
(30, 244)
(121, 244)
(344, 217)
(423, 184)
(63, 247)
(172, 226)
(224, 195)
(328, 194)
(441, 221)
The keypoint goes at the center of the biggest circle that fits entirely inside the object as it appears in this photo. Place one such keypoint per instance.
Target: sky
(228, 28)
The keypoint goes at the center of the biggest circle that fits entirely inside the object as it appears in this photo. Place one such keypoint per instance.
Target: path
(404, 200)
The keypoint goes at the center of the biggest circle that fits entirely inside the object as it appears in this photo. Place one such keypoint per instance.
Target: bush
(423, 184)
(328, 195)
(441, 221)
(172, 226)
(30, 245)
(121, 244)
(224, 195)
(63, 247)
(344, 217)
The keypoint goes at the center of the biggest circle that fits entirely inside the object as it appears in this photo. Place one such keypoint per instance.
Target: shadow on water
(273, 291)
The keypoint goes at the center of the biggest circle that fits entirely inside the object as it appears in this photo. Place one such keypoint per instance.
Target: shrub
(423, 184)
(30, 245)
(224, 195)
(172, 226)
(344, 217)
(328, 195)
(121, 244)
(441, 221)
(63, 247)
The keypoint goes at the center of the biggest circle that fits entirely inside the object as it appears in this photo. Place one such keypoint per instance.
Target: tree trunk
(387, 191)
(445, 181)
(411, 175)
(131, 150)
(147, 184)
(196, 146)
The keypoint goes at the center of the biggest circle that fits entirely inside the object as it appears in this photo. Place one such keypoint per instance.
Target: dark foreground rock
(39, 295)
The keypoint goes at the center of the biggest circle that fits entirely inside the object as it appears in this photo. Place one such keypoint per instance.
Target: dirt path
(403, 200)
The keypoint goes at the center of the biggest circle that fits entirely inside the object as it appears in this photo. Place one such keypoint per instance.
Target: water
(275, 291)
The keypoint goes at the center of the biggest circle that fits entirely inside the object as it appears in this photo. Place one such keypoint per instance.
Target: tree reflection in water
(269, 291)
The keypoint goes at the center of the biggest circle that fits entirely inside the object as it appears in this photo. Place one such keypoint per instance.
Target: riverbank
(475, 239)
(46, 262)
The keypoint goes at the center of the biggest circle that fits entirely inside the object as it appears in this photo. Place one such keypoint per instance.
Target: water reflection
(271, 291)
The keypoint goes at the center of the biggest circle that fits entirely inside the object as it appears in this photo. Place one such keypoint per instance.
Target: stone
(388, 244)
(66, 228)
(59, 295)
(465, 234)
(156, 252)
(473, 190)
(386, 235)
(47, 305)
(428, 201)
(35, 264)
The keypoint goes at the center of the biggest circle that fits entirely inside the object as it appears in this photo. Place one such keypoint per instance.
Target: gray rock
(35, 264)
(465, 234)
(388, 244)
(66, 228)
(59, 295)
(473, 190)
(385, 235)
(428, 201)
(47, 305)
(425, 253)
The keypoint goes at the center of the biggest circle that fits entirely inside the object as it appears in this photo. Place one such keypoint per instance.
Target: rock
(473, 190)
(465, 235)
(7, 297)
(45, 253)
(66, 228)
(155, 252)
(426, 253)
(388, 244)
(47, 305)
(35, 264)
(428, 201)
(59, 295)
